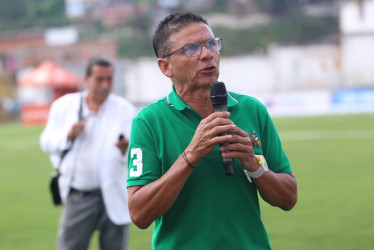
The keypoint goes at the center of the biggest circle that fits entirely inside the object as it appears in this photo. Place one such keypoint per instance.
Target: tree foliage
(289, 25)
(293, 28)
(21, 14)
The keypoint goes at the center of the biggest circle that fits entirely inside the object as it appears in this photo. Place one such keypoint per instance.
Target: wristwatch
(262, 168)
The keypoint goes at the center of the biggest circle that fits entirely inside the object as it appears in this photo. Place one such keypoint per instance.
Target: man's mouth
(208, 69)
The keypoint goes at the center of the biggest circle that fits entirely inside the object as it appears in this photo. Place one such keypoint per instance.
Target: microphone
(218, 97)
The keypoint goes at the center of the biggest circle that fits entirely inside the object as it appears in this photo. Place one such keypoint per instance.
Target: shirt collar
(174, 100)
(103, 106)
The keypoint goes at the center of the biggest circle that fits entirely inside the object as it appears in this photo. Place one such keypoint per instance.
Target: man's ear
(164, 65)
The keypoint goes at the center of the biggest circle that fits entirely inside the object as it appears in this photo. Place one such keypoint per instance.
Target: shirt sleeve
(272, 146)
(53, 139)
(144, 164)
(126, 126)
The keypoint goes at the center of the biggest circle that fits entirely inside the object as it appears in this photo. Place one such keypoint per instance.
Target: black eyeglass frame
(219, 43)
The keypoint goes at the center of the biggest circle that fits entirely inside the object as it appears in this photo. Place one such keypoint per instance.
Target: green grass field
(332, 158)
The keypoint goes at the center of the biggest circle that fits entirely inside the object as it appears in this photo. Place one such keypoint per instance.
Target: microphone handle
(229, 169)
(227, 162)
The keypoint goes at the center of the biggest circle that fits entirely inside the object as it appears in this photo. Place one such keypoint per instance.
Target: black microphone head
(218, 94)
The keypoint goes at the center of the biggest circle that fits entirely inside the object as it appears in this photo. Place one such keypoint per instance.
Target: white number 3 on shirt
(137, 163)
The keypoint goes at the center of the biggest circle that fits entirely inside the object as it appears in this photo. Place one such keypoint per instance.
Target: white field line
(327, 135)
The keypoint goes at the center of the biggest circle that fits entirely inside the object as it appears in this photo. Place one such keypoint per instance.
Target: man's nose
(205, 52)
(106, 82)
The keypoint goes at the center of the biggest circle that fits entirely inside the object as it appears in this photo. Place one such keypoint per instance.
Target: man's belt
(95, 192)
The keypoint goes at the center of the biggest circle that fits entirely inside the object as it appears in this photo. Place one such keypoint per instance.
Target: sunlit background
(287, 53)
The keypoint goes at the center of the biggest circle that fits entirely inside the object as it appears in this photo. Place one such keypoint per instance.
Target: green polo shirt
(213, 211)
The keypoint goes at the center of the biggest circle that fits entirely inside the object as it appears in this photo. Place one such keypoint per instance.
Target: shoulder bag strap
(80, 117)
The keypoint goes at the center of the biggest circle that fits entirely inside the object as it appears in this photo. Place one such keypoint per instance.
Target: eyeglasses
(194, 49)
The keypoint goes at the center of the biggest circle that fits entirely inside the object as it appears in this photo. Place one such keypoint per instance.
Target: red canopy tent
(40, 87)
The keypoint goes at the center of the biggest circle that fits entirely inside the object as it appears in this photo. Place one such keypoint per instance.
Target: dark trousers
(82, 214)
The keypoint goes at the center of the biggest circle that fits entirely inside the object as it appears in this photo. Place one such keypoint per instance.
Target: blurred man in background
(95, 126)
(176, 178)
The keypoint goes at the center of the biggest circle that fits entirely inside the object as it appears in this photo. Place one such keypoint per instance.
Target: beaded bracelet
(260, 161)
(186, 160)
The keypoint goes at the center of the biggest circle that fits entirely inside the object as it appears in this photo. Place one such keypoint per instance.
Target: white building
(357, 43)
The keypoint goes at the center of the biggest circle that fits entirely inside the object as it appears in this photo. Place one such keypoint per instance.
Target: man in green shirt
(176, 178)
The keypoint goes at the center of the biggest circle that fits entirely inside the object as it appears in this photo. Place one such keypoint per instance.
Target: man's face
(99, 83)
(193, 72)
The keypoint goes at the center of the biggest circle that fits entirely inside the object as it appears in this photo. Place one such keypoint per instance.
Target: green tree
(20, 14)
(14, 13)
(137, 41)
(294, 28)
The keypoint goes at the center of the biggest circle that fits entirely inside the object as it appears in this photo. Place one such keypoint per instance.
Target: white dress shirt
(86, 175)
